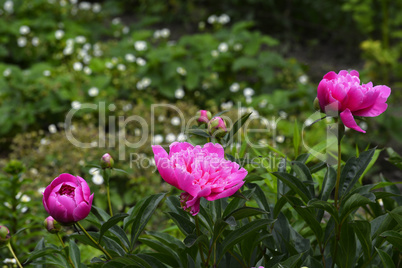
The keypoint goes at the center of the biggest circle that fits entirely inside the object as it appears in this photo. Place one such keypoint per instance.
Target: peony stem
(93, 241)
(63, 245)
(107, 177)
(197, 227)
(15, 256)
(338, 174)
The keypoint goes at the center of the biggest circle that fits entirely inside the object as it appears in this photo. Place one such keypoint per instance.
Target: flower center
(67, 190)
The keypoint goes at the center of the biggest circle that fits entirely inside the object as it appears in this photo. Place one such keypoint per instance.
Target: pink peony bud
(199, 172)
(51, 225)
(107, 161)
(217, 124)
(68, 199)
(4, 235)
(203, 116)
(343, 94)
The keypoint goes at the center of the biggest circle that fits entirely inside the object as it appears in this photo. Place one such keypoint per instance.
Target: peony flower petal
(164, 165)
(176, 147)
(68, 203)
(225, 193)
(322, 94)
(215, 148)
(354, 73)
(349, 121)
(58, 211)
(85, 188)
(81, 211)
(331, 75)
(185, 182)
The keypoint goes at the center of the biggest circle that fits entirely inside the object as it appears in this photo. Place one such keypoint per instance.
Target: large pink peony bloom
(343, 93)
(199, 172)
(68, 199)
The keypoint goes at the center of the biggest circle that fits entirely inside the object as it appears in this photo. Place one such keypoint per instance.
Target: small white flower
(249, 100)
(10, 260)
(24, 30)
(263, 103)
(7, 72)
(97, 179)
(44, 141)
(223, 47)
(52, 128)
(94, 171)
(46, 73)
(157, 34)
(280, 138)
(170, 137)
(161, 118)
(179, 93)
(137, 132)
(227, 105)
(73, 2)
(76, 105)
(41, 190)
(140, 61)
(165, 33)
(212, 19)
(87, 70)
(68, 50)
(181, 137)
(283, 114)
(140, 45)
(34, 171)
(129, 57)
(224, 19)
(121, 67)
(234, 87)
(25, 198)
(248, 92)
(116, 21)
(175, 121)
(86, 47)
(125, 30)
(7, 204)
(63, 3)
(158, 139)
(303, 79)
(214, 53)
(363, 125)
(93, 91)
(237, 47)
(109, 65)
(85, 6)
(35, 41)
(80, 39)
(143, 83)
(22, 41)
(181, 71)
(9, 6)
(96, 8)
(77, 66)
(24, 209)
(127, 107)
(70, 42)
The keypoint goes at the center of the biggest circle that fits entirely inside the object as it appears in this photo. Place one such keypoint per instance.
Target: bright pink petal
(331, 75)
(176, 147)
(322, 92)
(185, 182)
(164, 165)
(81, 211)
(354, 73)
(69, 204)
(349, 121)
(85, 188)
(225, 193)
(215, 148)
(355, 99)
(372, 111)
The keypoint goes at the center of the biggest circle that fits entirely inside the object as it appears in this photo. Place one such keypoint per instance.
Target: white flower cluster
(143, 83)
(140, 45)
(163, 33)
(222, 19)
(96, 176)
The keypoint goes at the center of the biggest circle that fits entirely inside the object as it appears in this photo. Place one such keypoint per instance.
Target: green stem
(15, 256)
(107, 177)
(93, 241)
(63, 245)
(338, 173)
(197, 227)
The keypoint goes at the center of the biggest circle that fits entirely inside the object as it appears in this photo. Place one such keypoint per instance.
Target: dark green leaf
(144, 214)
(294, 184)
(245, 212)
(74, 253)
(394, 238)
(328, 207)
(303, 173)
(40, 253)
(110, 223)
(353, 203)
(363, 230)
(347, 247)
(236, 126)
(385, 258)
(185, 225)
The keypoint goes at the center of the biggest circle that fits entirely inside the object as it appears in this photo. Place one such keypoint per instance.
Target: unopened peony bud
(203, 116)
(107, 161)
(217, 124)
(4, 235)
(51, 225)
(317, 104)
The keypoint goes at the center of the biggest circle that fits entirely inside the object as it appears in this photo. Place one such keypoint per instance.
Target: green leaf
(40, 253)
(171, 256)
(74, 253)
(363, 230)
(353, 170)
(259, 196)
(394, 238)
(185, 225)
(236, 126)
(303, 173)
(355, 201)
(296, 185)
(328, 184)
(239, 234)
(110, 223)
(245, 212)
(347, 247)
(328, 207)
(385, 258)
(292, 262)
(144, 214)
(396, 217)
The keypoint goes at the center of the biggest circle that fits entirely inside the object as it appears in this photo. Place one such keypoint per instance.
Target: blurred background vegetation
(260, 56)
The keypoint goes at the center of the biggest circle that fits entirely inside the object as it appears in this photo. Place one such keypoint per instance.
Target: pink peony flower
(199, 172)
(68, 199)
(343, 93)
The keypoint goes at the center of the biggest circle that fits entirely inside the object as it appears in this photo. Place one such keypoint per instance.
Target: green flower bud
(107, 161)
(317, 104)
(51, 225)
(4, 235)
